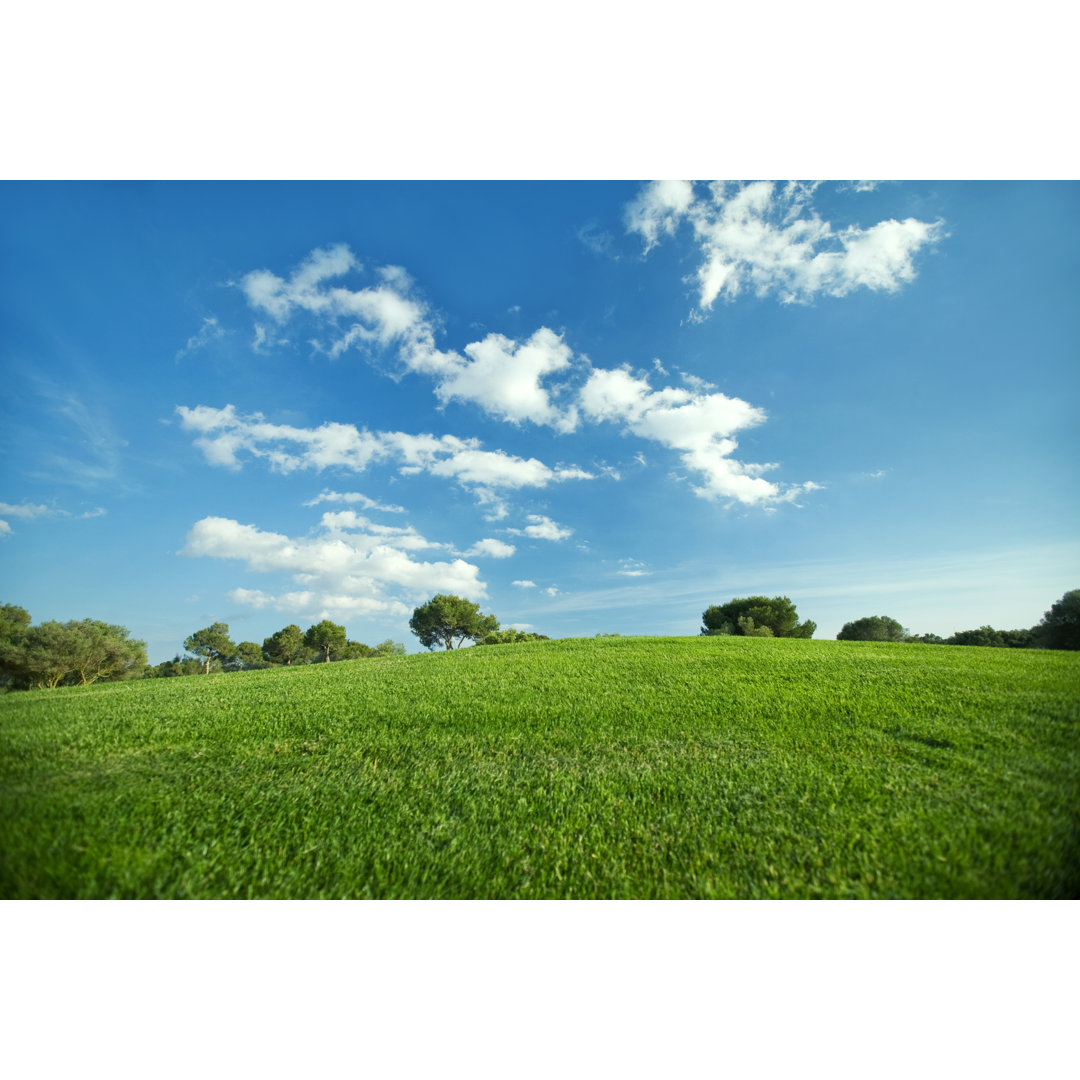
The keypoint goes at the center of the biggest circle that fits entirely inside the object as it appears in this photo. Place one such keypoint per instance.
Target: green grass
(606, 768)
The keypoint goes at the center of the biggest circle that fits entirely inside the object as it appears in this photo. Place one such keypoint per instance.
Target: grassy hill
(606, 768)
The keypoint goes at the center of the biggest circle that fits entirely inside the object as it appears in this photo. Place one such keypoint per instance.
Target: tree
(248, 657)
(872, 628)
(356, 650)
(1059, 628)
(178, 665)
(101, 651)
(14, 623)
(985, 636)
(75, 653)
(750, 616)
(511, 636)
(327, 636)
(211, 644)
(389, 647)
(286, 646)
(445, 619)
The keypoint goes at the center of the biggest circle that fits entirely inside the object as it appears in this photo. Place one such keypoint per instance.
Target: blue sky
(592, 407)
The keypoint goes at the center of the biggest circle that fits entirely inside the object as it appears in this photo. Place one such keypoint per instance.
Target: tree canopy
(286, 646)
(872, 628)
(211, 644)
(74, 653)
(756, 616)
(450, 621)
(327, 636)
(1059, 628)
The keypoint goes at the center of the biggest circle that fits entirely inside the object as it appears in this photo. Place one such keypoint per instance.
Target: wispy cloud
(354, 497)
(210, 331)
(766, 238)
(30, 511)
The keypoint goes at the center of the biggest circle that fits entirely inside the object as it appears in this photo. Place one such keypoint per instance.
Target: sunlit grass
(607, 768)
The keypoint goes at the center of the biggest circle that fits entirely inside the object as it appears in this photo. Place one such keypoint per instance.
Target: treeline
(74, 653)
(211, 649)
(775, 616)
(85, 651)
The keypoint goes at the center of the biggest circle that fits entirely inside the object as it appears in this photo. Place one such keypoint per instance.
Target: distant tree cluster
(212, 649)
(756, 616)
(450, 621)
(74, 653)
(1058, 629)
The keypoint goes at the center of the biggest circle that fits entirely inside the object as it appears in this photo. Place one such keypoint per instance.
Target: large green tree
(326, 636)
(872, 628)
(1060, 626)
(211, 644)
(74, 653)
(750, 616)
(450, 621)
(286, 646)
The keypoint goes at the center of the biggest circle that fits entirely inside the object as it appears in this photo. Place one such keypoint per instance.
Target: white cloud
(351, 567)
(224, 436)
(542, 528)
(495, 549)
(208, 332)
(524, 584)
(767, 238)
(658, 209)
(26, 510)
(550, 591)
(29, 511)
(503, 377)
(701, 426)
(354, 497)
(632, 568)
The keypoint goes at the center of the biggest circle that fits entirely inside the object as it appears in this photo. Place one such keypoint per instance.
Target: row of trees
(450, 621)
(763, 616)
(1059, 628)
(74, 653)
(212, 649)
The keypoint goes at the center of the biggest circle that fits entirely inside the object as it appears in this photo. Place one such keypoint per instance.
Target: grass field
(598, 768)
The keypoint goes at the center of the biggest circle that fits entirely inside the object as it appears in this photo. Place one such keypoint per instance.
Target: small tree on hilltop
(445, 619)
(751, 616)
(872, 628)
(327, 636)
(211, 644)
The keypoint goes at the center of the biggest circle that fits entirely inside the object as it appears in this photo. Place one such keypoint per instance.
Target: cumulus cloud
(524, 584)
(632, 568)
(348, 567)
(500, 375)
(542, 528)
(494, 549)
(768, 239)
(699, 425)
(658, 210)
(504, 378)
(225, 436)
